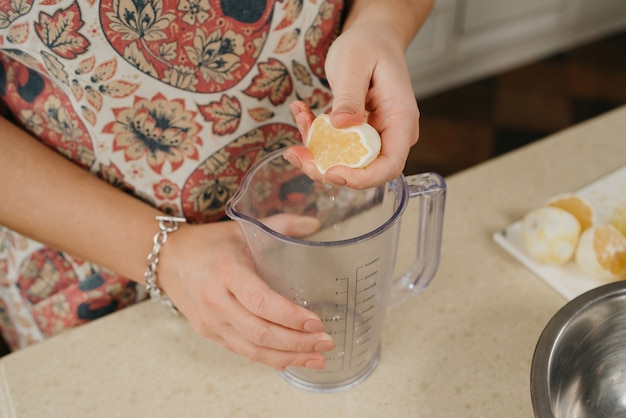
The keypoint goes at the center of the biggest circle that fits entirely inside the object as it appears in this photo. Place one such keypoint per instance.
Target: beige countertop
(462, 348)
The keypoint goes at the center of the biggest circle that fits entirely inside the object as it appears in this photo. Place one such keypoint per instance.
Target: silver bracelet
(167, 225)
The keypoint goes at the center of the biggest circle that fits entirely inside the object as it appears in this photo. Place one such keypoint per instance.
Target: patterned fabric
(169, 100)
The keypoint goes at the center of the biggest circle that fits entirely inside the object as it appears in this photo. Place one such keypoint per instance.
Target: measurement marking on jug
(369, 308)
(367, 320)
(370, 287)
(367, 331)
(363, 297)
(367, 299)
(335, 318)
(369, 263)
(344, 307)
(347, 283)
(369, 276)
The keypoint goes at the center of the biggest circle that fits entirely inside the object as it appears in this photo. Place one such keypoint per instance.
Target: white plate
(604, 195)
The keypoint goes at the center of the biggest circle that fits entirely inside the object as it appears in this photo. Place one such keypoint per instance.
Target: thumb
(348, 110)
(349, 89)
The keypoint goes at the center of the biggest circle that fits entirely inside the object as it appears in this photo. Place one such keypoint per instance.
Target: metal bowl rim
(542, 356)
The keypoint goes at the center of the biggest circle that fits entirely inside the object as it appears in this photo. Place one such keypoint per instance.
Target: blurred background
(493, 75)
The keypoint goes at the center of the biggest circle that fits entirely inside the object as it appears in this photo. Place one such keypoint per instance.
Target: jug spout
(428, 191)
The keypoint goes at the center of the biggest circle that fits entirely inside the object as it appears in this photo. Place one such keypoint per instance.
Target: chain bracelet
(167, 225)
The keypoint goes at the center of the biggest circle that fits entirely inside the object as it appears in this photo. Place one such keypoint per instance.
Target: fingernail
(313, 325)
(293, 160)
(294, 106)
(314, 364)
(335, 179)
(326, 344)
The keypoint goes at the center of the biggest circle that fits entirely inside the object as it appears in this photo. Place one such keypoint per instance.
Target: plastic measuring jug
(343, 269)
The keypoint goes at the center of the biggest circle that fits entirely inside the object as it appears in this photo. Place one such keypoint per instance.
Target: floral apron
(171, 101)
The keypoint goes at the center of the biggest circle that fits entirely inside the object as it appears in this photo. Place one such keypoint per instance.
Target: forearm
(403, 17)
(49, 199)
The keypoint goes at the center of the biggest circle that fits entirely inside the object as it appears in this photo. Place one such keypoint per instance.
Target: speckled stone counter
(462, 348)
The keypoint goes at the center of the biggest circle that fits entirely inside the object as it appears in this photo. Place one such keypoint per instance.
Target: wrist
(401, 18)
(166, 225)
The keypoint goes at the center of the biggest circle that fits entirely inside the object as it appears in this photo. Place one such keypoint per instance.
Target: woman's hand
(207, 272)
(367, 73)
(204, 269)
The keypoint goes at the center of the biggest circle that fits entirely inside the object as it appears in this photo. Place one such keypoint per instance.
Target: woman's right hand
(206, 270)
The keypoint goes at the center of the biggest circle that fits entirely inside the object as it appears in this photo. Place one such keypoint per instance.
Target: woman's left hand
(367, 73)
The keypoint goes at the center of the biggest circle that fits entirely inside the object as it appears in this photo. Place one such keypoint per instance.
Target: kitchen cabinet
(464, 40)
(485, 13)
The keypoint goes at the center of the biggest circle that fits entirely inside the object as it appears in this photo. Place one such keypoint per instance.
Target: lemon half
(601, 252)
(355, 147)
(618, 218)
(577, 206)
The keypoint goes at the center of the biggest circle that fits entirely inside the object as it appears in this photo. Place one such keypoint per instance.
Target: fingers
(300, 157)
(267, 335)
(386, 167)
(277, 359)
(397, 137)
(381, 170)
(266, 327)
(263, 302)
(303, 117)
(293, 225)
(255, 322)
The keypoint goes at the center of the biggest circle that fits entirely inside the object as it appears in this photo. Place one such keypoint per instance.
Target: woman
(120, 111)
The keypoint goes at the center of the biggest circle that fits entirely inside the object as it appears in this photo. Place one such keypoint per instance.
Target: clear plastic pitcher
(343, 270)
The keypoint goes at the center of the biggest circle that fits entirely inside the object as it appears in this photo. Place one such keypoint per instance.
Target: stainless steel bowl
(579, 365)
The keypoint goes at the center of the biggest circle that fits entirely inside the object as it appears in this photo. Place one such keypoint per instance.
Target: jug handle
(430, 191)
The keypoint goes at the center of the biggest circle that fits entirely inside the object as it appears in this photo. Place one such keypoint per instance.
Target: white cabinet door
(464, 40)
(433, 39)
(593, 9)
(480, 13)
